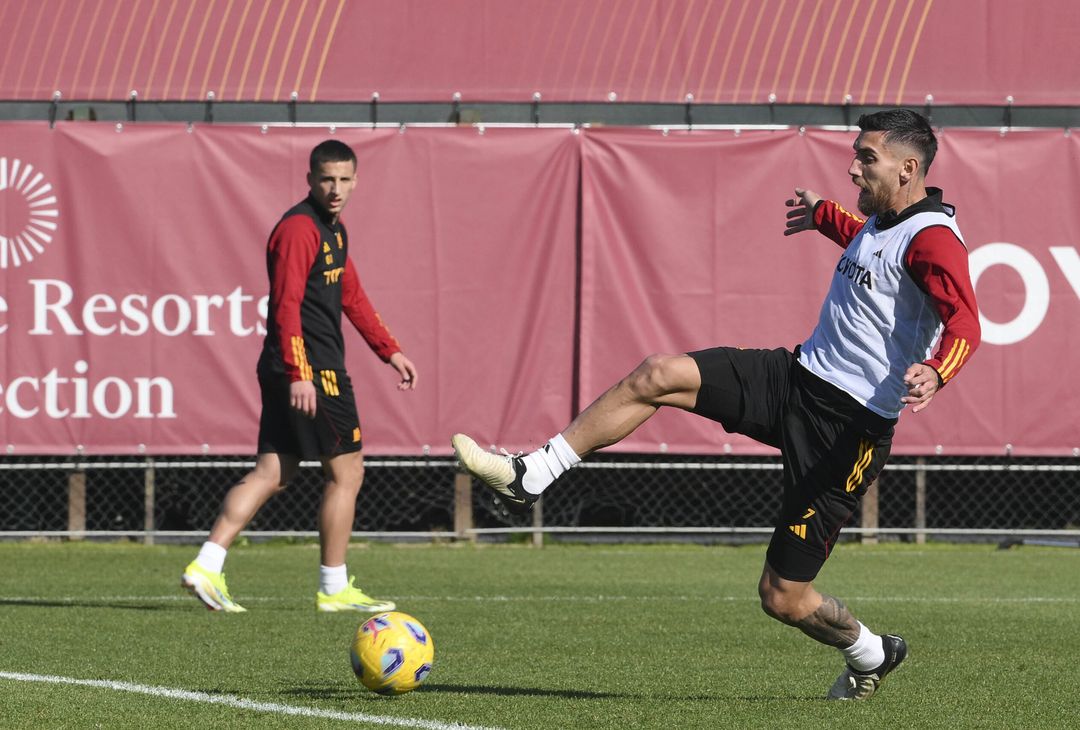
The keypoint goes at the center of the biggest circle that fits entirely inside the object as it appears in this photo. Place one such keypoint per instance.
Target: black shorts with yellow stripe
(334, 430)
(832, 446)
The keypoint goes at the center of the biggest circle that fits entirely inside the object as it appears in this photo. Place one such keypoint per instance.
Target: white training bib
(876, 321)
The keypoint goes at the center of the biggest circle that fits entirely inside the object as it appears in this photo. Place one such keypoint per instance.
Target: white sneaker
(500, 473)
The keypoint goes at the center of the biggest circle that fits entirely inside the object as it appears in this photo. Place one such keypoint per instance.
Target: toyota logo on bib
(28, 213)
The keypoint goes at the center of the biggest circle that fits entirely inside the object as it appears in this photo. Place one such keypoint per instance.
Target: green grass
(562, 637)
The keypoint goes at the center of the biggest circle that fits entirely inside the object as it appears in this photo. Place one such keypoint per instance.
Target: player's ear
(909, 169)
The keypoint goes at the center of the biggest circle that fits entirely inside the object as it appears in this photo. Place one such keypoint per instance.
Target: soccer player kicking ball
(830, 406)
(308, 408)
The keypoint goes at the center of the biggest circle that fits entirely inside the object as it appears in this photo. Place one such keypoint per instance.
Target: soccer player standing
(902, 285)
(308, 408)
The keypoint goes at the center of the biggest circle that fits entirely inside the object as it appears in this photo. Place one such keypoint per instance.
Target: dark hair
(906, 127)
(330, 151)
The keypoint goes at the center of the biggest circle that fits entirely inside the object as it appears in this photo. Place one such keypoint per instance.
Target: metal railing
(712, 499)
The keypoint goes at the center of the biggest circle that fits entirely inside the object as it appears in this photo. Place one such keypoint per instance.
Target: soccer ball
(392, 653)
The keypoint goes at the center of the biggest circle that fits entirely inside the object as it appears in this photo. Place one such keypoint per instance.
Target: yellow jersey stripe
(952, 368)
(849, 214)
(300, 357)
(960, 362)
(950, 360)
(866, 453)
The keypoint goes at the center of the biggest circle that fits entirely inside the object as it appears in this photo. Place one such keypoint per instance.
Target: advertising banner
(524, 271)
(133, 282)
(683, 249)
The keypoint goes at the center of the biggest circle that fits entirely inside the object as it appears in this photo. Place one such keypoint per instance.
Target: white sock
(867, 653)
(211, 557)
(332, 580)
(547, 464)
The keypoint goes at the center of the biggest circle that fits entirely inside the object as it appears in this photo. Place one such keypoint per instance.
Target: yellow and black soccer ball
(392, 653)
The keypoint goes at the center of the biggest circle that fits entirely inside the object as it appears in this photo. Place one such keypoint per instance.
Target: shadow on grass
(82, 603)
(570, 694)
(477, 689)
(338, 693)
(331, 693)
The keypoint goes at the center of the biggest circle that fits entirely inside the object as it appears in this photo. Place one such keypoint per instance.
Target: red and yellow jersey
(312, 281)
(902, 283)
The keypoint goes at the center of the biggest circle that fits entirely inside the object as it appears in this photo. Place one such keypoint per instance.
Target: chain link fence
(713, 499)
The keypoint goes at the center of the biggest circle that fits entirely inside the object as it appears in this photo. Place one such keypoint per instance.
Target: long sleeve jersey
(312, 281)
(902, 283)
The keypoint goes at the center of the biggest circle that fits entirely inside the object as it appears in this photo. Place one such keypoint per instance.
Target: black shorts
(832, 446)
(334, 430)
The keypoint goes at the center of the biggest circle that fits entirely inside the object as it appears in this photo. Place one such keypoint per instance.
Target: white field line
(240, 702)
(77, 601)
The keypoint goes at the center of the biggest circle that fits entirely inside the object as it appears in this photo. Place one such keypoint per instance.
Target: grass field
(568, 636)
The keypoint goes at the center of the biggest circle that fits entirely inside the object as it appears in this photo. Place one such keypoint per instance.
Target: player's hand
(405, 369)
(302, 397)
(800, 217)
(922, 382)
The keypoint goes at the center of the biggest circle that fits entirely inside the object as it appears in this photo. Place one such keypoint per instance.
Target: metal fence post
(920, 500)
(463, 516)
(870, 513)
(538, 523)
(77, 503)
(149, 484)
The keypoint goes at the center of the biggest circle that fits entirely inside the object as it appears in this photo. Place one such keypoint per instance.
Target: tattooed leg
(823, 618)
(832, 623)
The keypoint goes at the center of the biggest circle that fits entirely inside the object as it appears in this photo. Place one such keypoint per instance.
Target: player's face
(332, 184)
(876, 170)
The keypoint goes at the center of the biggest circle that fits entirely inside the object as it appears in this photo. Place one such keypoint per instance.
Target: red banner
(822, 52)
(683, 250)
(133, 290)
(523, 270)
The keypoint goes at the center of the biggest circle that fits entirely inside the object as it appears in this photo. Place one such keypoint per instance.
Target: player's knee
(271, 480)
(653, 378)
(352, 478)
(274, 471)
(348, 471)
(276, 482)
(776, 603)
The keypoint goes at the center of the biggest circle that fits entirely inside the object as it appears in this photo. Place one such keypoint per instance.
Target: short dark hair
(906, 127)
(330, 151)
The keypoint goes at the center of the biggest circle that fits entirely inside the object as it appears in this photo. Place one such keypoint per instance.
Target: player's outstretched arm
(405, 369)
(800, 216)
